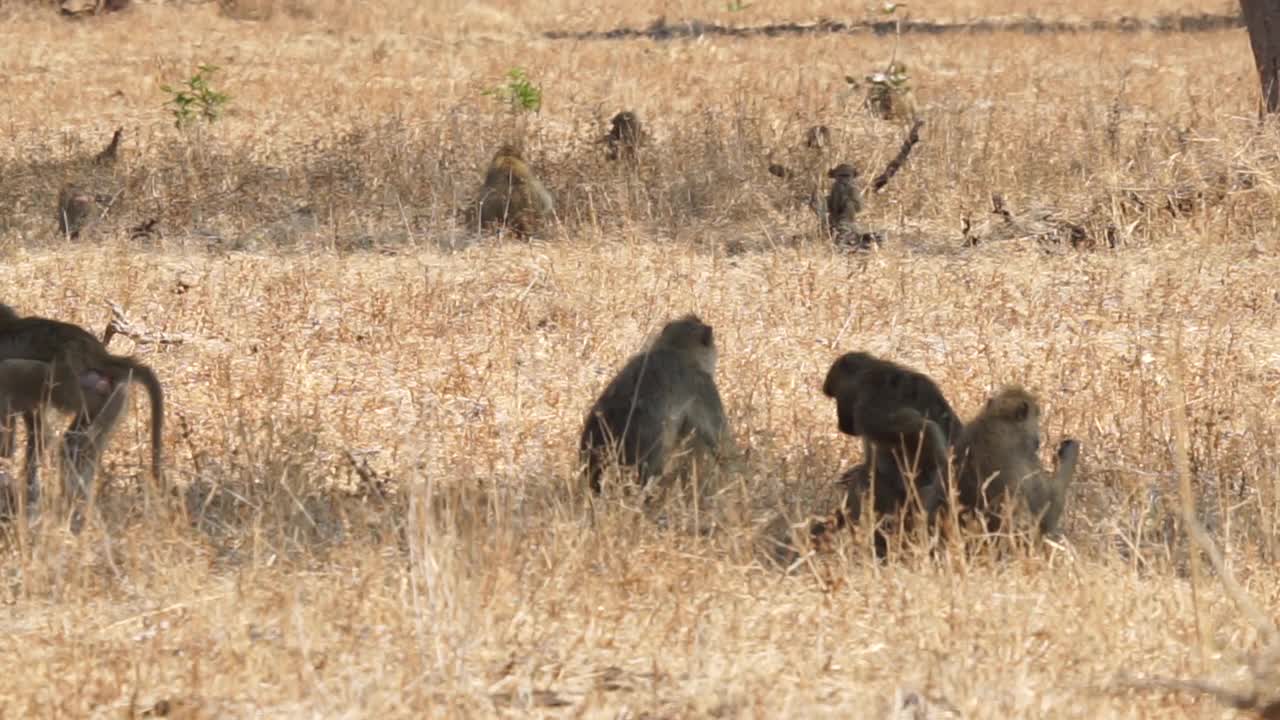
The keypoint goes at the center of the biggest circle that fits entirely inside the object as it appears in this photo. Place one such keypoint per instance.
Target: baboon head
(626, 127)
(842, 383)
(508, 150)
(1019, 411)
(692, 338)
(843, 171)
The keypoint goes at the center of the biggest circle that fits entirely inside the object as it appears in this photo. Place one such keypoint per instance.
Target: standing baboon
(512, 196)
(906, 425)
(663, 398)
(998, 454)
(81, 378)
(625, 136)
(75, 209)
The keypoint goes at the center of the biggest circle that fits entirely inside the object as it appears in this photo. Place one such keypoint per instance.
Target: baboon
(80, 377)
(110, 152)
(663, 398)
(75, 208)
(997, 455)
(26, 387)
(844, 201)
(904, 421)
(512, 196)
(625, 136)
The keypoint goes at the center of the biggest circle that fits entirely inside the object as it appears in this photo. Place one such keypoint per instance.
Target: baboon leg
(7, 432)
(34, 422)
(86, 438)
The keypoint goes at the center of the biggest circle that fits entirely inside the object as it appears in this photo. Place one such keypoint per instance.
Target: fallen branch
(898, 160)
(121, 325)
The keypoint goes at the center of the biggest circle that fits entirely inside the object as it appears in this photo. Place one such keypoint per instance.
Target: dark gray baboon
(625, 136)
(80, 377)
(663, 398)
(844, 200)
(997, 456)
(906, 425)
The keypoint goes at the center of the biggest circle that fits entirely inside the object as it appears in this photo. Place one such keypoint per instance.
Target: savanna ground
(373, 411)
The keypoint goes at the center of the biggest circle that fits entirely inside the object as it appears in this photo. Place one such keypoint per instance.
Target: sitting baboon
(663, 398)
(906, 425)
(844, 200)
(625, 137)
(512, 196)
(997, 456)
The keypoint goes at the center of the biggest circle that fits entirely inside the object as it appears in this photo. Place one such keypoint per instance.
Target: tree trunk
(1262, 17)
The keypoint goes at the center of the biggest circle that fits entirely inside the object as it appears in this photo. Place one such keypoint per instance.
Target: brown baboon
(75, 209)
(80, 377)
(625, 136)
(111, 152)
(663, 398)
(512, 196)
(998, 453)
(905, 423)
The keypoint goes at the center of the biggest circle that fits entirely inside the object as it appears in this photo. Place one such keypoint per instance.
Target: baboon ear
(707, 340)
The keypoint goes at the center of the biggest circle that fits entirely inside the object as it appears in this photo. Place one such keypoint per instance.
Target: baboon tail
(145, 375)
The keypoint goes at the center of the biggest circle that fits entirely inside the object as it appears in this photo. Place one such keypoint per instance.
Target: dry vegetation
(374, 411)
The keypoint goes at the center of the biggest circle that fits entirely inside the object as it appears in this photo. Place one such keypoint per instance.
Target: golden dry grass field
(373, 410)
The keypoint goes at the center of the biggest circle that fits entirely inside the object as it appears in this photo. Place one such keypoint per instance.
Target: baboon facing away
(997, 456)
(80, 378)
(512, 196)
(663, 398)
(625, 136)
(905, 423)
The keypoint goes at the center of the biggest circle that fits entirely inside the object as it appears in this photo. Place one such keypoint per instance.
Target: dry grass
(374, 414)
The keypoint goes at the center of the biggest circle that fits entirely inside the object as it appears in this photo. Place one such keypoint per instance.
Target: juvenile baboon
(512, 196)
(80, 378)
(663, 398)
(997, 456)
(625, 136)
(905, 423)
(844, 200)
(111, 152)
(75, 208)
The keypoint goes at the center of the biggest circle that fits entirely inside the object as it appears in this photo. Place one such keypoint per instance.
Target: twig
(121, 325)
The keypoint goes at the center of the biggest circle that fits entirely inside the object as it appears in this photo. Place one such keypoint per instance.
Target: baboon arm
(905, 425)
(1068, 455)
